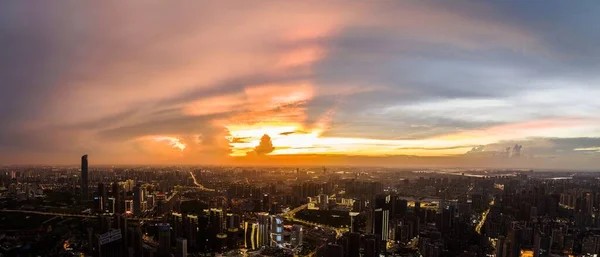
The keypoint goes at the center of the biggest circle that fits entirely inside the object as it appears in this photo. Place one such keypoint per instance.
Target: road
(483, 218)
(199, 185)
(65, 214)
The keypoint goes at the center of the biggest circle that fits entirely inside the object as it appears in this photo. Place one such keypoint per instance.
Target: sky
(498, 84)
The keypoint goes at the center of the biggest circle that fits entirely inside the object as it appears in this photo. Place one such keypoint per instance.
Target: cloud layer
(202, 82)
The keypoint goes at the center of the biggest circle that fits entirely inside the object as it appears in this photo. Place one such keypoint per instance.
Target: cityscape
(290, 128)
(321, 211)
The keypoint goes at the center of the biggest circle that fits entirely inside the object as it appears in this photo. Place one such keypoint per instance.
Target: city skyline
(398, 84)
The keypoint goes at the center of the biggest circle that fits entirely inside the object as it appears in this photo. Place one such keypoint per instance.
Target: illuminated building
(190, 226)
(128, 206)
(353, 227)
(381, 217)
(221, 243)
(264, 229)
(276, 231)
(232, 226)
(251, 236)
(111, 205)
(323, 202)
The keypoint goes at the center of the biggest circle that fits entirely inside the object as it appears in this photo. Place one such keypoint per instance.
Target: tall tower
(181, 247)
(164, 239)
(381, 217)
(137, 200)
(84, 178)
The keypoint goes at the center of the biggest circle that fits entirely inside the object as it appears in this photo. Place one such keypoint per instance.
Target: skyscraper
(296, 236)
(84, 178)
(164, 240)
(102, 199)
(137, 200)
(353, 244)
(264, 229)
(251, 236)
(542, 245)
(381, 217)
(181, 247)
(121, 224)
(116, 193)
(138, 241)
(276, 231)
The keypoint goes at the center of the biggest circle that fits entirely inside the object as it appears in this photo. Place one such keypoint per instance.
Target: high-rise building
(181, 247)
(137, 200)
(84, 178)
(121, 224)
(296, 236)
(129, 206)
(204, 235)
(514, 240)
(370, 247)
(276, 231)
(102, 198)
(353, 225)
(190, 227)
(542, 245)
(323, 202)
(109, 244)
(233, 226)
(265, 203)
(217, 219)
(381, 217)
(353, 244)
(221, 243)
(138, 241)
(119, 201)
(399, 207)
(264, 229)
(251, 236)
(111, 205)
(417, 209)
(164, 240)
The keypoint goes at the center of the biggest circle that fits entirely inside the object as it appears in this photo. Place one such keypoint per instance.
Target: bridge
(290, 216)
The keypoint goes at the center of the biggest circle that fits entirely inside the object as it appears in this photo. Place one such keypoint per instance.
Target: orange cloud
(301, 56)
(215, 105)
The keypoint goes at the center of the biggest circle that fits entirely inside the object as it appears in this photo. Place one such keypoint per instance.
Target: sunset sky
(392, 83)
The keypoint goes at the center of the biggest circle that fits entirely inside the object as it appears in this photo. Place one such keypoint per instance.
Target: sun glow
(289, 138)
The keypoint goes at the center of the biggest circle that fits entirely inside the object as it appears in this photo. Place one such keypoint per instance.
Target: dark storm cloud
(264, 147)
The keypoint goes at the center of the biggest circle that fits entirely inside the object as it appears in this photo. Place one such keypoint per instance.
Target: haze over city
(385, 83)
